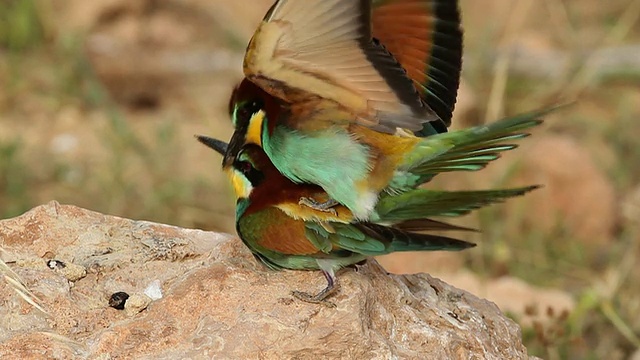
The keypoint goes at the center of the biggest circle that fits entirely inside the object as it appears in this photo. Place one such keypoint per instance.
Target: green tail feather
(372, 239)
(422, 203)
(400, 240)
(464, 150)
(429, 225)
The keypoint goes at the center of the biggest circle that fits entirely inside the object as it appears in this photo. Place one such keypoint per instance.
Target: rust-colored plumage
(426, 39)
(281, 233)
(277, 191)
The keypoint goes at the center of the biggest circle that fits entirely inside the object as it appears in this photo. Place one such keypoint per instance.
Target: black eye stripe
(245, 167)
(254, 106)
(252, 174)
(243, 114)
(246, 110)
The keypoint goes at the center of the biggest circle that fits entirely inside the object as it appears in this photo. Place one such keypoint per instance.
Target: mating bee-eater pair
(342, 114)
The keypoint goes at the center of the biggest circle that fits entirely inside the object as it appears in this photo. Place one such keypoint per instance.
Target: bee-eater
(335, 90)
(283, 233)
(282, 241)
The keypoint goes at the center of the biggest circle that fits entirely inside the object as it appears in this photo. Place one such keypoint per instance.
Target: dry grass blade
(518, 16)
(624, 25)
(625, 330)
(14, 281)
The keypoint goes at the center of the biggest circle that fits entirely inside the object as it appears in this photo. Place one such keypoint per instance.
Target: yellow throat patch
(254, 132)
(241, 185)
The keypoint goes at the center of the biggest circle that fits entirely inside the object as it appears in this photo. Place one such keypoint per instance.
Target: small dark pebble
(56, 264)
(117, 300)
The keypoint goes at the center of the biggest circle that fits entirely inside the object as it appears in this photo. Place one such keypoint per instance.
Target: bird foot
(319, 298)
(314, 299)
(326, 206)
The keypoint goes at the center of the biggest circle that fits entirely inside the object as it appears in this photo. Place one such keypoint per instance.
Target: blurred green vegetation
(21, 26)
(140, 175)
(138, 168)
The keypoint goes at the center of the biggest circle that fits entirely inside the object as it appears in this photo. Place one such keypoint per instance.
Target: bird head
(243, 169)
(249, 108)
(258, 184)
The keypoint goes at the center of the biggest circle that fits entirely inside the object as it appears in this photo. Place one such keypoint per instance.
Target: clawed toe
(314, 299)
(327, 206)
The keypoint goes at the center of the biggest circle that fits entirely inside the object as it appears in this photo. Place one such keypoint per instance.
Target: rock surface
(217, 302)
(528, 303)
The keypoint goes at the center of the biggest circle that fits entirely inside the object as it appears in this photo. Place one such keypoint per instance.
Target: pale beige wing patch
(323, 48)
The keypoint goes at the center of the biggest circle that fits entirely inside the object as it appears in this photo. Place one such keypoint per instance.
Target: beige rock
(526, 302)
(576, 192)
(72, 272)
(218, 302)
(136, 303)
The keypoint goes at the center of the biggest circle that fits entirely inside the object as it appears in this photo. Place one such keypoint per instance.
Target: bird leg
(326, 206)
(319, 298)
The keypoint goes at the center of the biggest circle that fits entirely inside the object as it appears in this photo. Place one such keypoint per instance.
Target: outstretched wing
(425, 37)
(305, 50)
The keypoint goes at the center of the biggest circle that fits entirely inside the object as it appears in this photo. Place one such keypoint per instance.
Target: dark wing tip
(395, 76)
(426, 38)
(444, 64)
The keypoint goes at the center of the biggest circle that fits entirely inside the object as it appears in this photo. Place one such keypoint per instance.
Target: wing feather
(309, 49)
(425, 37)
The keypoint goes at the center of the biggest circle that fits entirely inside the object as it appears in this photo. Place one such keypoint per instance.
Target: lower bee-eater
(265, 200)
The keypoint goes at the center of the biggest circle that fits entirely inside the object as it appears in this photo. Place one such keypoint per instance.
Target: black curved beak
(215, 144)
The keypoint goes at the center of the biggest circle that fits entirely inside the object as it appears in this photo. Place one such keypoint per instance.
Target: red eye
(245, 167)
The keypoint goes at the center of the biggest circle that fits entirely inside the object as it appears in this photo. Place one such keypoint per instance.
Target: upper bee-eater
(337, 90)
(283, 233)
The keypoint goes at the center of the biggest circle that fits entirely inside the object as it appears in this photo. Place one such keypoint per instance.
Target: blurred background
(99, 102)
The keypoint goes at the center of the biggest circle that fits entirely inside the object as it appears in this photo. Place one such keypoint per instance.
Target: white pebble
(154, 291)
